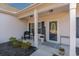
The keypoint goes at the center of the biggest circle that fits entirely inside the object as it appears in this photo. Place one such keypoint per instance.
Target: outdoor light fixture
(51, 10)
(31, 15)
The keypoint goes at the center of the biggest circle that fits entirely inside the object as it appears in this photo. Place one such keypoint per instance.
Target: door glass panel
(53, 30)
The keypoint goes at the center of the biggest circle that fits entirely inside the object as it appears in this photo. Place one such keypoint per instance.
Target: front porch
(43, 35)
(48, 26)
(57, 28)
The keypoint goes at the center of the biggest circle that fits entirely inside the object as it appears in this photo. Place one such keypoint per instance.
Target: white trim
(31, 6)
(7, 12)
(73, 29)
(35, 28)
(26, 8)
(58, 31)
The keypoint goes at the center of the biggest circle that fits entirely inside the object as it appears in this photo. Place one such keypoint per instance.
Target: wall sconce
(51, 10)
(31, 15)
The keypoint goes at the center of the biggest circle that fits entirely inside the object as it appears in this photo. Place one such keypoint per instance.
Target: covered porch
(51, 26)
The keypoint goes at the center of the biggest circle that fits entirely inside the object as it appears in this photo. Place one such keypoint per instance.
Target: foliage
(61, 49)
(13, 41)
(20, 44)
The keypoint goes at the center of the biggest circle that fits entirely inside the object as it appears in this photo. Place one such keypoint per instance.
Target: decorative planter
(61, 51)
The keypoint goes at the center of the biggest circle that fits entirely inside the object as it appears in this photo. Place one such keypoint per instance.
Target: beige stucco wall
(62, 19)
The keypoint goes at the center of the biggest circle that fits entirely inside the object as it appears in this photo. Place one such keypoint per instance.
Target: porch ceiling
(46, 12)
(55, 10)
(41, 8)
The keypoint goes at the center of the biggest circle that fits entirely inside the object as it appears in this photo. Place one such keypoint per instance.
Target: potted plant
(61, 51)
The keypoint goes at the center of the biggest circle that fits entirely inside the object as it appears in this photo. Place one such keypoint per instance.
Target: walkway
(45, 50)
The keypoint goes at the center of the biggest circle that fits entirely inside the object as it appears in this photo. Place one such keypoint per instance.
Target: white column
(72, 29)
(35, 28)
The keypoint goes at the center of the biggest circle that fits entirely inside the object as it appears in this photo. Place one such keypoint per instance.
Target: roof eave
(8, 12)
(27, 8)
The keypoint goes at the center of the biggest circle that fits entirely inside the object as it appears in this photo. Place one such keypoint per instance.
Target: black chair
(26, 35)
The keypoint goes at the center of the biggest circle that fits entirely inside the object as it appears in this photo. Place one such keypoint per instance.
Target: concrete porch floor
(45, 50)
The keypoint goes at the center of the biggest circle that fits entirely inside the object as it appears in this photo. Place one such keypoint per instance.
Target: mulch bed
(7, 50)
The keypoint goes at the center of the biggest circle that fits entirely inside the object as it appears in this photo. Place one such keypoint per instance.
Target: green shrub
(61, 49)
(13, 41)
(25, 45)
(19, 44)
(28, 43)
(11, 38)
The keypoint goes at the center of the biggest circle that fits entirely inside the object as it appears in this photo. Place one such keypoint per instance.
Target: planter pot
(61, 51)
